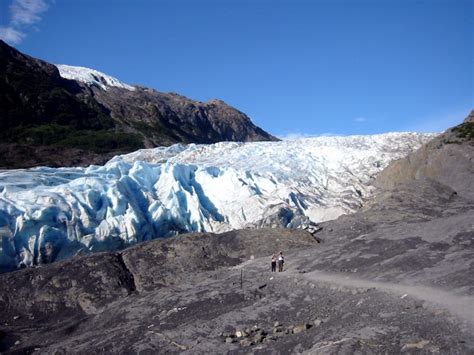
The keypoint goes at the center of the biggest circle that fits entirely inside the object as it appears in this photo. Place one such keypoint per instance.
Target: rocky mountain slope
(447, 159)
(51, 214)
(84, 116)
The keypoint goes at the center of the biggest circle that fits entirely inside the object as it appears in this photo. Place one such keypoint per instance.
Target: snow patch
(91, 77)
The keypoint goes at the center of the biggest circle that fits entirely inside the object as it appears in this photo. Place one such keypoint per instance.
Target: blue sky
(295, 67)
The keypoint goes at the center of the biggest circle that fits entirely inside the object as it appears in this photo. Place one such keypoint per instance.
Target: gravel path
(460, 306)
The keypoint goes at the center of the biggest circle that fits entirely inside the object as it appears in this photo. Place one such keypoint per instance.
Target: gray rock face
(470, 117)
(166, 263)
(168, 118)
(447, 159)
(84, 285)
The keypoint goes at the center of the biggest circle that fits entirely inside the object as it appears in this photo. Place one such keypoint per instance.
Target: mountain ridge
(82, 123)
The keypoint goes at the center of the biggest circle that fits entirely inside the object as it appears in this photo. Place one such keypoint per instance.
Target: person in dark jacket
(274, 263)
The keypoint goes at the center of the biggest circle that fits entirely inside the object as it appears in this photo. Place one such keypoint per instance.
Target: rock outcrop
(447, 159)
(168, 118)
(85, 285)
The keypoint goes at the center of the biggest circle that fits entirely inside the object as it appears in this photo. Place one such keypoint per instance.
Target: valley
(160, 159)
(396, 276)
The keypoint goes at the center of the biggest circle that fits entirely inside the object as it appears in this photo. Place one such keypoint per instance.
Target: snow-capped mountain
(48, 214)
(91, 77)
(69, 116)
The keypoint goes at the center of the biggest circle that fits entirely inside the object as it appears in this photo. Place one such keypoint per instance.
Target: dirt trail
(460, 306)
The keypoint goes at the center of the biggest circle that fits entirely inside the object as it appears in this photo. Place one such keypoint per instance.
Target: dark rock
(277, 330)
(257, 338)
(21, 155)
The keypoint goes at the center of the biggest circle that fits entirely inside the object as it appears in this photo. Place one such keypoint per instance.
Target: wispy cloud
(360, 119)
(11, 35)
(23, 14)
(27, 12)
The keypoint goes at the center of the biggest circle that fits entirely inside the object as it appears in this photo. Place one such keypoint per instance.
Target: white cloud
(27, 12)
(11, 35)
(360, 119)
(23, 14)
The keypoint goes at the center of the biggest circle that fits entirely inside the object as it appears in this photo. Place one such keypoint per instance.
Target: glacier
(49, 214)
(91, 77)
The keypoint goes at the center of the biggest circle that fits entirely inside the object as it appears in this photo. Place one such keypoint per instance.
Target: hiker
(274, 263)
(281, 260)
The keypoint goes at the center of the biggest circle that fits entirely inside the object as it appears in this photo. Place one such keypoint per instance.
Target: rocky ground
(364, 288)
(395, 277)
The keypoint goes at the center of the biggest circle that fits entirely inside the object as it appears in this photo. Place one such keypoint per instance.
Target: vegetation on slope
(53, 134)
(465, 130)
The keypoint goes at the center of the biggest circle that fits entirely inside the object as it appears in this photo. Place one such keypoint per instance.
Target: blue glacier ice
(49, 214)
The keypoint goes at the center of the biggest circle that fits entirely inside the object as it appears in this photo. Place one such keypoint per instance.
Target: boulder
(301, 327)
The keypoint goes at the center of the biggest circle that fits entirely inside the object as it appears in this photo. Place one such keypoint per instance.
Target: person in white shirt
(281, 261)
